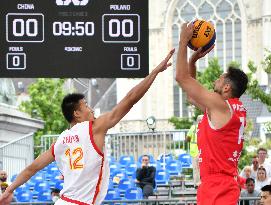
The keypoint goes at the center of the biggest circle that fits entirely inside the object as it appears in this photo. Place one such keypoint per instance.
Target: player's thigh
(218, 191)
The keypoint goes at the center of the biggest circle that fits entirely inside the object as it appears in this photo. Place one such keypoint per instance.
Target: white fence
(136, 144)
(154, 143)
(17, 154)
(183, 201)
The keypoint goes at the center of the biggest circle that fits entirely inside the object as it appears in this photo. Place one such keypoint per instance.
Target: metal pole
(164, 159)
(89, 92)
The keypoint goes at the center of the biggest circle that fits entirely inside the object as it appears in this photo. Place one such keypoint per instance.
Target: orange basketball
(203, 35)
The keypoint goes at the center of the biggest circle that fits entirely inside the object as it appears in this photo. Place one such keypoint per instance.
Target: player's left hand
(186, 33)
(164, 64)
(199, 54)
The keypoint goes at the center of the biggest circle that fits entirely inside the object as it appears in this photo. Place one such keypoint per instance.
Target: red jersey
(220, 149)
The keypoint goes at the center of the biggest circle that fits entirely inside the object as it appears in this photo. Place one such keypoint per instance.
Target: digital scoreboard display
(74, 38)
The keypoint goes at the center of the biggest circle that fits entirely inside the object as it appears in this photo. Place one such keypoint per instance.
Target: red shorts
(218, 190)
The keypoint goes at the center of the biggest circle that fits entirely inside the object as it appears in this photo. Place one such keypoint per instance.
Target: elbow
(189, 99)
(180, 79)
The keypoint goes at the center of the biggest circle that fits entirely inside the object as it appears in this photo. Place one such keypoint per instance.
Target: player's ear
(227, 87)
(76, 115)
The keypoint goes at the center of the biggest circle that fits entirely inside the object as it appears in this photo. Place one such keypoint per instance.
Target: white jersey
(84, 167)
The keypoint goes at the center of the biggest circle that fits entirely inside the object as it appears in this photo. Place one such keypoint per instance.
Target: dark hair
(238, 80)
(145, 155)
(250, 180)
(262, 168)
(266, 188)
(70, 104)
(261, 149)
(55, 190)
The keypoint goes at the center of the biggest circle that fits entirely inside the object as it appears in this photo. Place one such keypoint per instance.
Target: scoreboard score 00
(74, 38)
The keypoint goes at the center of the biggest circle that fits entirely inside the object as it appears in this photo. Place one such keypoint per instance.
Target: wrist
(192, 61)
(9, 190)
(183, 42)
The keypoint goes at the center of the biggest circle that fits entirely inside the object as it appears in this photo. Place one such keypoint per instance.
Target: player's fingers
(169, 55)
(172, 51)
(191, 25)
(199, 50)
(169, 64)
(184, 25)
(208, 50)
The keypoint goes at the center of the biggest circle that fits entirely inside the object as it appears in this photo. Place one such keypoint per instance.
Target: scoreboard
(74, 38)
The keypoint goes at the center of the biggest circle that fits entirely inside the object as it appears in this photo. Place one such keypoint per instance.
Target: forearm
(193, 72)
(38, 164)
(139, 90)
(182, 65)
(192, 69)
(23, 177)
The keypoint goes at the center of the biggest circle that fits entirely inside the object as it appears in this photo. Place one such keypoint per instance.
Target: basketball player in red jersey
(80, 152)
(220, 132)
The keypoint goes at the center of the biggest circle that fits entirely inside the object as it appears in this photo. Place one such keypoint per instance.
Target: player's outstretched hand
(6, 198)
(164, 64)
(200, 54)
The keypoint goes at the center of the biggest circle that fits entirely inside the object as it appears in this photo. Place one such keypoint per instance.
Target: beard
(216, 90)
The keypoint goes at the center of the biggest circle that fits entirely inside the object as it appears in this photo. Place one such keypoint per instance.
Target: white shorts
(62, 202)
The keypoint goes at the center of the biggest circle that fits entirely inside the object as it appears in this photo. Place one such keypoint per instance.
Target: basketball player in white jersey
(79, 151)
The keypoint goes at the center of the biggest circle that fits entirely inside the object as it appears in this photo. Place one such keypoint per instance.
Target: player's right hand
(199, 54)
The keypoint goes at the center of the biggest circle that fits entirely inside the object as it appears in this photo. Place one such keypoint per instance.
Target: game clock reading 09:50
(67, 28)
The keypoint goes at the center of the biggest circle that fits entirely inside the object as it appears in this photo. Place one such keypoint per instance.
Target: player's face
(219, 83)
(265, 198)
(84, 112)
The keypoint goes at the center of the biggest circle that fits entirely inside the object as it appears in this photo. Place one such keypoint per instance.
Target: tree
(255, 91)
(181, 123)
(210, 74)
(46, 96)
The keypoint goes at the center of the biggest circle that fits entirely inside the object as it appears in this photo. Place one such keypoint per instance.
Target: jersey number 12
(75, 157)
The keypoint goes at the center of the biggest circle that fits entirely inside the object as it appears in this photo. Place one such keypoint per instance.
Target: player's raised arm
(193, 70)
(110, 119)
(195, 90)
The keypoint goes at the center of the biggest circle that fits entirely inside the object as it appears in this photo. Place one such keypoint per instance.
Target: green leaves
(210, 74)
(46, 96)
(181, 123)
(254, 89)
